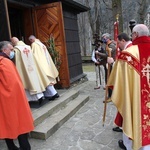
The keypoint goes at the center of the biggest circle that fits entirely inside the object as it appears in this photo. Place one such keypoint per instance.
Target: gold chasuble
(130, 79)
(33, 80)
(43, 57)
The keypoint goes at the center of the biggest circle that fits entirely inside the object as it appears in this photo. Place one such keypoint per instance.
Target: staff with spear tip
(109, 51)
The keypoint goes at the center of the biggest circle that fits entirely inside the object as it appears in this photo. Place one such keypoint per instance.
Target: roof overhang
(79, 7)
(32, 3)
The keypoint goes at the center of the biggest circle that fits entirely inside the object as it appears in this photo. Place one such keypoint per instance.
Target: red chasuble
(144, 71)
(15, 113)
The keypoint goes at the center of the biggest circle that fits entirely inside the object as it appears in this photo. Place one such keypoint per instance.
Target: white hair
(107, 35)
(141, 29)
(32, 37)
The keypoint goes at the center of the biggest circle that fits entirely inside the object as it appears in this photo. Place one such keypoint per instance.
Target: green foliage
(56, 57)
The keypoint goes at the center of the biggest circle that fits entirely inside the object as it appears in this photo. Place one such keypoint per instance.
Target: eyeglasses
(133, 33)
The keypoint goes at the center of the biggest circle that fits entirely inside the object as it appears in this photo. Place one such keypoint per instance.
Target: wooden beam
(7, 17)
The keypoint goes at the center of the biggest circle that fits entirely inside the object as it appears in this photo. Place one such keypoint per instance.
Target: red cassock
(15, 113)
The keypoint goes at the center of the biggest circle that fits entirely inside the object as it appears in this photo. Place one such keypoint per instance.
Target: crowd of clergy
(36, 69)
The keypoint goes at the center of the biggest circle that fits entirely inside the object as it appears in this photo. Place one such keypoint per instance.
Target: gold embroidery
(145, 91)
(146, 70)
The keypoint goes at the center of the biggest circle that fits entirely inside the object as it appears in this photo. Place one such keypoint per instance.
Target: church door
(48, 20)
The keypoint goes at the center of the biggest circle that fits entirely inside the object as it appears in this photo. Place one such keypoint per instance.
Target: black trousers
(23, 142)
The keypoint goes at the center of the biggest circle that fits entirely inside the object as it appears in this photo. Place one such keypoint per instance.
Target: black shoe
(40, 101)
(117, 129)
(51, 98)
(121, 145)
(56, 95)
(15, 148)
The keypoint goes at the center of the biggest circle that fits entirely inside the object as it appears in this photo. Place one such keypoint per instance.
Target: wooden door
(28, 24)
(49, 20)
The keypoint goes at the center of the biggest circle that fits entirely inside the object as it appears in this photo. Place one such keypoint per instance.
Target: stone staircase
(49, 117)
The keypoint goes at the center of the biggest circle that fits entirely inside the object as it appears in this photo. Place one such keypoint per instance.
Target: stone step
(51, 124)
(51, 107)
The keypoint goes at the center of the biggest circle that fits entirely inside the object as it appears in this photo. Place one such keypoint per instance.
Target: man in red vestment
(15, 115)
(132, 69)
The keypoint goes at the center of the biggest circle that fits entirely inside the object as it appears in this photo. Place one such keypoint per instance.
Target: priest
(43, 57)
(34, 81)
(131, 97)
(15, 115)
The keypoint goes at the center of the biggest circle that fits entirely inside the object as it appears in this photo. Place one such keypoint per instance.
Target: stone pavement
(83, 131)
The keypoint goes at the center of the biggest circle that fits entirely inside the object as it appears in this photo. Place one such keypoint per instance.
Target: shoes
(40, 101)
(56, 95)
(97, 88)
(121, 145)
(15, 148)
(108, 100)
(53, 97)
(117, 129)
